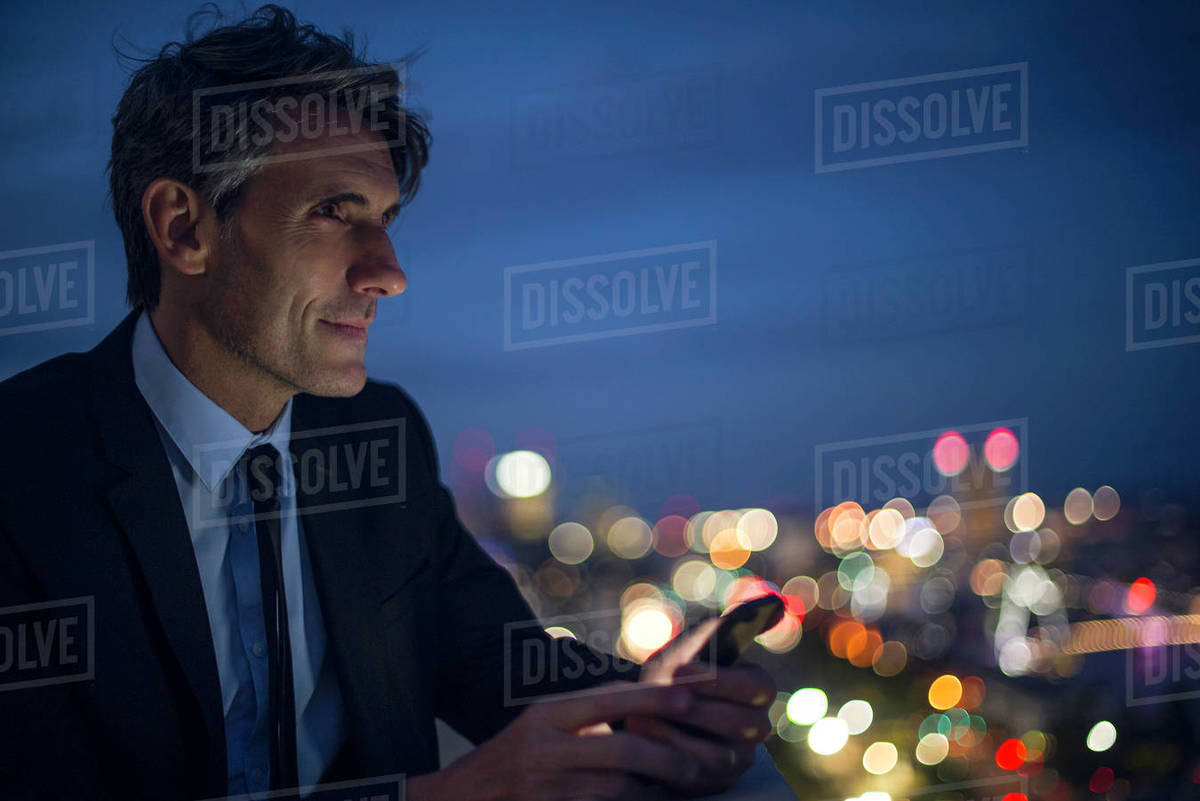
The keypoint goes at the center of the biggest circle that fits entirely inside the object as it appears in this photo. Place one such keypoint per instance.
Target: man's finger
(615, 701)
(715, 759)
(743, 683)
(688, 645)
(632, 753)
(727, 721)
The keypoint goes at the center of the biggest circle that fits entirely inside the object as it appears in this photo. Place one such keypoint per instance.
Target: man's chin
(338, 383)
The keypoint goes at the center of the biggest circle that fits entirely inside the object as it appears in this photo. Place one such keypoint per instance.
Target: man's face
(308, 256)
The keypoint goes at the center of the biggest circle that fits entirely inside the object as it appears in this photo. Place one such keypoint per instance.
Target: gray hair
(241, 71)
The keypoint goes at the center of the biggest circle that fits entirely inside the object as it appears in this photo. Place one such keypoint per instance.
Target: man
(282, 592)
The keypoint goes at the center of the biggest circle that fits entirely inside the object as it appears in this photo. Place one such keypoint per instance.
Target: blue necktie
(261, 466)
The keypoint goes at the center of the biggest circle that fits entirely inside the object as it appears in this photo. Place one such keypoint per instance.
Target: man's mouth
(351, 329)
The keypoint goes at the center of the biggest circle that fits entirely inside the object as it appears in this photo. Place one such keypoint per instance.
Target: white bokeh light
(827, 736)
(518, 474)
(1102, 736)
(807, 706)
(857, 715)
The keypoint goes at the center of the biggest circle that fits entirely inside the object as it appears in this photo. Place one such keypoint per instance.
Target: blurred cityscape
(1032, 648)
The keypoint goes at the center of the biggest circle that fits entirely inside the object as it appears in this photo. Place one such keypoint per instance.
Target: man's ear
(181, 223)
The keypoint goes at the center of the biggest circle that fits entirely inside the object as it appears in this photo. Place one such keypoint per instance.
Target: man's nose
(376, 271)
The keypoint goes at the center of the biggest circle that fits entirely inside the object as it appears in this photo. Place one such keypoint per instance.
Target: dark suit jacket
(414, 610)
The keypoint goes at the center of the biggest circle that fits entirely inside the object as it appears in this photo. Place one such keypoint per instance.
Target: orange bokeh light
(821, 529)
(945, 692)
(727, 551)
(842, 633)
(861, 647)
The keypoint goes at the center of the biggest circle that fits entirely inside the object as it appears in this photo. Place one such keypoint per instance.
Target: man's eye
(329, 210)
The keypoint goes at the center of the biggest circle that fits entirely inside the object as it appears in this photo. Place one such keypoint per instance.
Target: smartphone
(738, 628)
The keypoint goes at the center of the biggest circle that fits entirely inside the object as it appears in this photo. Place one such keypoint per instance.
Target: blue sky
(1106, 182)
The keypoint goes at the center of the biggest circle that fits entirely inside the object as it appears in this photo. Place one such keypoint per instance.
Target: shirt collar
(209, 437)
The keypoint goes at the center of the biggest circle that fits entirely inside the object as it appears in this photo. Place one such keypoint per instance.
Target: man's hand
(565, 749)
(730, 707)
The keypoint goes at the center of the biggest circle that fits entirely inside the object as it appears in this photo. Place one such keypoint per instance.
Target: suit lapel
(145, 502)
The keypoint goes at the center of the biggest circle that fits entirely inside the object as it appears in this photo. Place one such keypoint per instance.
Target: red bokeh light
(668, 536)
(1001, 449)
(1101, 780)
(1141, 595)
(1011, 754)
(794, 606)
(1015, 797)
(950, 453)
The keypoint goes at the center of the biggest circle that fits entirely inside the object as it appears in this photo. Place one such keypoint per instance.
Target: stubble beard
(235, 321)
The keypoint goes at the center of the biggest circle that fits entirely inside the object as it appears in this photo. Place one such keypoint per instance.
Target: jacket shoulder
(46, 416)
(50, 393)
(47, 378)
